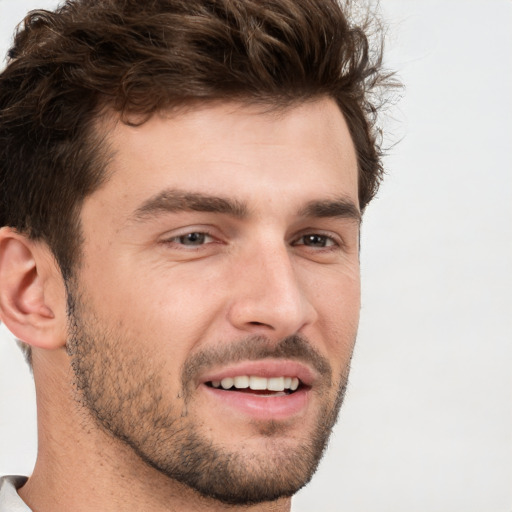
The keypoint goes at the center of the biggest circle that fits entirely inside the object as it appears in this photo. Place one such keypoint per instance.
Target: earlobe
(31, 302)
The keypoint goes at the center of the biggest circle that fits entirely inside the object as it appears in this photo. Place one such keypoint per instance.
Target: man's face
(215, 310)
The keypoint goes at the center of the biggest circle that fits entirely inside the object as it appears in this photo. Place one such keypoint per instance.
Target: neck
(80, 467)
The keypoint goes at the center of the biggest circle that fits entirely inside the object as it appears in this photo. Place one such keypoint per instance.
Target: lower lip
(258, 407)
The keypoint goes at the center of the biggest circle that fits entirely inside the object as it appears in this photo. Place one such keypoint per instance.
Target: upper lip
(264, 368)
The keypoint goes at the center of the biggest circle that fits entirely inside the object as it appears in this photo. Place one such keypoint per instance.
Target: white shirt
(9, 498)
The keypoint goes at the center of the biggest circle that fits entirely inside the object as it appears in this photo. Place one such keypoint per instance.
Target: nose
(268, 297)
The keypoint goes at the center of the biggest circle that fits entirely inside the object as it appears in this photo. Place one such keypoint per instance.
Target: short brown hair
(138, 57)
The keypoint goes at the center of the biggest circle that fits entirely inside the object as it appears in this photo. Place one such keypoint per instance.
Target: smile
(265, 390)
(257, 383)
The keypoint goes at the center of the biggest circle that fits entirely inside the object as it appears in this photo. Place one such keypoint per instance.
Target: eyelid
(206, 235)
(336, 239)
(170, 238)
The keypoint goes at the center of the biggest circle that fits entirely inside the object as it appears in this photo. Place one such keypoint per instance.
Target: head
(100, 86)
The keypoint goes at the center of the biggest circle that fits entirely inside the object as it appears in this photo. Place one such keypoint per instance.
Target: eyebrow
(173, 201)
(337, 208)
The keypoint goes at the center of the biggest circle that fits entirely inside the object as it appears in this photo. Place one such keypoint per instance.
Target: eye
(316, 240)
(193, 239)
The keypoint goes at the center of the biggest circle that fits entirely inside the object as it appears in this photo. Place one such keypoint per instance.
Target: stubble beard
(124, 394)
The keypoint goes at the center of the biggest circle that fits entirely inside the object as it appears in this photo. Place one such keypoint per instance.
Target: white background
(427, 423)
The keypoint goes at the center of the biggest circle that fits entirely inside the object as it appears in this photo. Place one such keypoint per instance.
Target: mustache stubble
(254, 348)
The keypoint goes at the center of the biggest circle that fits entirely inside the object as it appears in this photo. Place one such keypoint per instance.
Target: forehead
(234, 149)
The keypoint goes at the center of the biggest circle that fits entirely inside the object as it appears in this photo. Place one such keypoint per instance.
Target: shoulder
(9, 499)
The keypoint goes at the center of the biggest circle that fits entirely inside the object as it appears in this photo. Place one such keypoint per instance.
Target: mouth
(256, 385)
(263, 390)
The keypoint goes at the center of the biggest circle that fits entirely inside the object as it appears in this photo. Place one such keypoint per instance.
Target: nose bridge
(270, 294)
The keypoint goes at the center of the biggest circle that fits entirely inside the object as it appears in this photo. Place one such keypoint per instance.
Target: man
(182, 186)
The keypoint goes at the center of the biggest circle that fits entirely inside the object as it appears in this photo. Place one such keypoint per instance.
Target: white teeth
(241, 382)
(257, 383)
(276, 384)
(227, 383)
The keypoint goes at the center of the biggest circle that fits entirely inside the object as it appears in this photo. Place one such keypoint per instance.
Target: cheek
(338, 308)
(171, 309)
(341, 323)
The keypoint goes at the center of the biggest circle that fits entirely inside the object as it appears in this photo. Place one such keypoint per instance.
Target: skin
(149, 304)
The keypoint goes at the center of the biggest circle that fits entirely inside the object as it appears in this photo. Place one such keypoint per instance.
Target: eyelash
(332, 242)
(175, 239)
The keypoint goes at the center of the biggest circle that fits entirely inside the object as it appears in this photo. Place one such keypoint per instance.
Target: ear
(32, 292)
